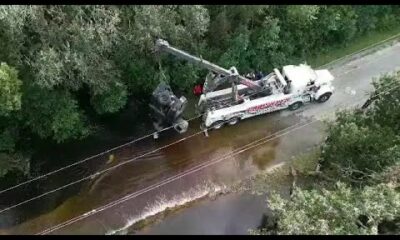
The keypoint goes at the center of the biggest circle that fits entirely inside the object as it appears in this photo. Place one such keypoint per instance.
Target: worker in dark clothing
(259, 75)
(311, 86)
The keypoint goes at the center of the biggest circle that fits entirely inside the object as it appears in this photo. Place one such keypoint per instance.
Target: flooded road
(232, 214)
(156, 181)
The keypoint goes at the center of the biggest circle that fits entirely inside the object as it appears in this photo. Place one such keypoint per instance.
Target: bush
(339, 211)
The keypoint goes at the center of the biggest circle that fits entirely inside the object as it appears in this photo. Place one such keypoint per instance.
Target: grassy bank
(355, 45)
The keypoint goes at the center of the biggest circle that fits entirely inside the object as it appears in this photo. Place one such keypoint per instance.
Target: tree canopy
(341, 211)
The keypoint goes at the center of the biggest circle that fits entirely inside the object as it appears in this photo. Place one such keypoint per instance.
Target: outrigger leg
(206, 133)
(205, 130)
(155, 135)
(158, 127)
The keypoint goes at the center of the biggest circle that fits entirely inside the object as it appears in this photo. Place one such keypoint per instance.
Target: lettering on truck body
(268, 105)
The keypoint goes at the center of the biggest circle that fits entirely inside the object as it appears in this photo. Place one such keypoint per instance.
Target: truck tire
(295, 106)
(217, 125)
(163, 98)
(324, 97)
(233, 121)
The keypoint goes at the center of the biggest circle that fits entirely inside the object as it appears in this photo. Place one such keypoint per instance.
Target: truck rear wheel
(233, 121)
(217, 125)
(324, 97)
(295, 106)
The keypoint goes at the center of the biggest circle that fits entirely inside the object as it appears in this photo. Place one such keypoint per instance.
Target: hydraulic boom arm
(232, 72)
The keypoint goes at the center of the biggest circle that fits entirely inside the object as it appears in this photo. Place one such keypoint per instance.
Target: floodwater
(187, 170)
(160, 165)
(231, 214)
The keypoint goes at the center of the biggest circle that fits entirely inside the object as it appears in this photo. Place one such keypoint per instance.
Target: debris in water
(111, 158)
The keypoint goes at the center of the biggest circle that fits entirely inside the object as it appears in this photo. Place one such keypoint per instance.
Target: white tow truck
(292, 87)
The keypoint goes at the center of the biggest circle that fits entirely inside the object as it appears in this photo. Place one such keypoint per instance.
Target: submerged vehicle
(167, 109)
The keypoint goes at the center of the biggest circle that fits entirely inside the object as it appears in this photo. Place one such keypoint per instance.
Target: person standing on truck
(259, 75)
(250, 75)
(311, 86)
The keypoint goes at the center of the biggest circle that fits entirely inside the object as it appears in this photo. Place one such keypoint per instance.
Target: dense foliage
(340, 211)
(52, 55)
(364, 142)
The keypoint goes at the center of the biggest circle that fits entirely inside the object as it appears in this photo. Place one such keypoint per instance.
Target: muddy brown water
(231, 214)
(158, 166)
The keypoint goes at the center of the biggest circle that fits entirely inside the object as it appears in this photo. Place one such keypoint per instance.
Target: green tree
(267, 52)
(13, 162)
(352, 145)
(339, 211)
(367, 18)
(10, 90)
(112, 100)
(336, 25)
(238, 53)
(53, 114)
(12, 33)
(298, 22)
(73, 47)
(385, 109)
(182, 26)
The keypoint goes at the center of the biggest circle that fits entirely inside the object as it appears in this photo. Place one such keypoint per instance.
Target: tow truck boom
(231, 74)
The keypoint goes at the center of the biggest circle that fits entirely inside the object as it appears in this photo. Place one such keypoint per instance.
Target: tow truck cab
(303, 78)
